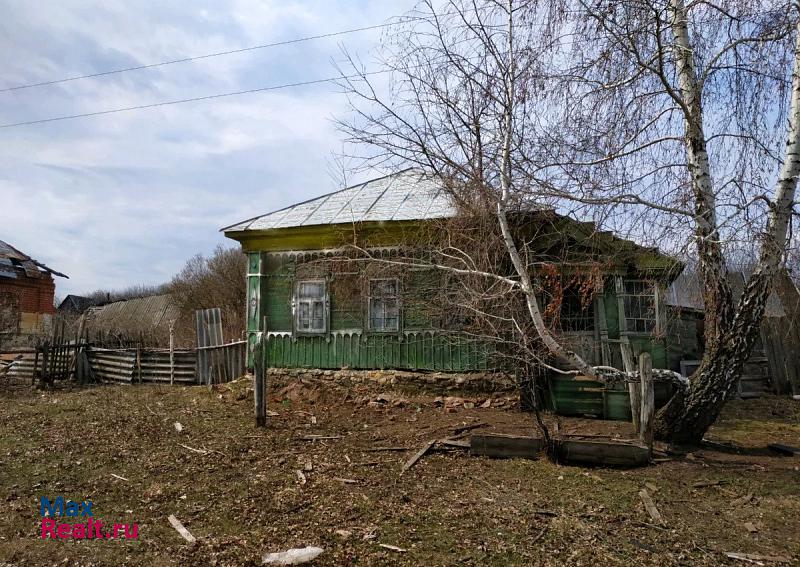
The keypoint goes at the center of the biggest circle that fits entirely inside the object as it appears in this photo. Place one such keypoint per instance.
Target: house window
(639, 300)
(311, 315)
(384, 305)
(576, 314)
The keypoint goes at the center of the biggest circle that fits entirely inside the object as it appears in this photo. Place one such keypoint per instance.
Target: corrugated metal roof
(687, 293)
(406, 195)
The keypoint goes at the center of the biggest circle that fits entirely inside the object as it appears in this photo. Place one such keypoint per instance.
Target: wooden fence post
(260, 382)
(171, 353)
(648, 407)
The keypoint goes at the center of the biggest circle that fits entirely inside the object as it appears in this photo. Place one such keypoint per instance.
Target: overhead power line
(193, 99)
(397, 21)
(199, 57)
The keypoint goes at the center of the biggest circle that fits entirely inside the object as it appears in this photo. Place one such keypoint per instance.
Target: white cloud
(126, 198)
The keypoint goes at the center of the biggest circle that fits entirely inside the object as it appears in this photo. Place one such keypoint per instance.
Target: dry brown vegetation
(243, 497)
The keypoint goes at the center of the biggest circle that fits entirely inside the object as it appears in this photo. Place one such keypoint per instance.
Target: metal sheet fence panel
(222, 363)
(208, 324)
(120, 365)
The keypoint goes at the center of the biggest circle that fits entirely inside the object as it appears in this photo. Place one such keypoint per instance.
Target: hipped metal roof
(406, 195)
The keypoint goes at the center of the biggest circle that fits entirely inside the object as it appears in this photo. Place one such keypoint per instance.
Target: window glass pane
(384, 308)
(310, 314)
(303, 316)
(311, 290)
(639, 301)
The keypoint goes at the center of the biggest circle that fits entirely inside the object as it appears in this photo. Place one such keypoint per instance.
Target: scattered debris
(317, 437)
(308, 467)
(178, 427)
(750, 527)
(417, 456)
(119, 477)
(344, 534)
(707, 483)
(784, 449)
(453, 442)
(300, 476)
(651, 508)
(757, 559)
(466, 428)
(651, 487)
(376, 449)
(345, 480)
(292, 556)
(392, 547)
(181, 529)
(200, 451)
(742, 500)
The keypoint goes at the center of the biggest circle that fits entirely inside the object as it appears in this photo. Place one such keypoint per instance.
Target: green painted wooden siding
(271, 280)
(412, 351)
(582, 396)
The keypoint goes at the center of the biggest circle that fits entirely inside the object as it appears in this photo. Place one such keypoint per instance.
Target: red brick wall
(36, 295)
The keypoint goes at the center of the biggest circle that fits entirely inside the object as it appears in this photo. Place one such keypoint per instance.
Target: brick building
(27, 292)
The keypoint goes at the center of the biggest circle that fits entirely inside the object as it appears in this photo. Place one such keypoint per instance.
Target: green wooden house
(317, 315)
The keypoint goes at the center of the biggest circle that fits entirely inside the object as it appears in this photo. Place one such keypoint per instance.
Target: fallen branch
(417, 456)
(181, 529)
(119, 477)
(376, 449)
(317, 437)
(346, 480)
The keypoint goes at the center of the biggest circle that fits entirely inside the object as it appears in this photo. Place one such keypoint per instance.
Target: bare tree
(458, 110)
(662, 119)
(206, 282)
(691, 110)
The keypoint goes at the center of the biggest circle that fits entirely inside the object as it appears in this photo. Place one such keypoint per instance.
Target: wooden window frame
(324, 300)
(656, 307)
(398, 299)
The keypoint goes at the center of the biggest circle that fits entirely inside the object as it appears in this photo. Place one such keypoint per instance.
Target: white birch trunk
(549, 341)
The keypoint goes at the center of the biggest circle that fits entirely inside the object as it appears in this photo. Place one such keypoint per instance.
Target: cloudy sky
(127, 198)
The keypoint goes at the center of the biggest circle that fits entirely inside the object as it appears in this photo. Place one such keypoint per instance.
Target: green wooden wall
(424, 350)
(421, 345)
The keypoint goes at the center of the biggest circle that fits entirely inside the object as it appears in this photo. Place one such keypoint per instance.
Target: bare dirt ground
(239, 493)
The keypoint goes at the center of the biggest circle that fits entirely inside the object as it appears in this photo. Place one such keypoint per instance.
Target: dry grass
(243, 497)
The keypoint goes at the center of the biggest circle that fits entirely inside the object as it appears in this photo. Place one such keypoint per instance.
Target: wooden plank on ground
(650, 506)
(506, 446)
(181, 529)
(417, 456)
(606, 453)
(784, 449)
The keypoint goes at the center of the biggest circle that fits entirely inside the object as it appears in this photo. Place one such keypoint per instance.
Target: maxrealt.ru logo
(88, 529)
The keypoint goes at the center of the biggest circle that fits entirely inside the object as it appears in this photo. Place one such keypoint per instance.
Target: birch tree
(693, 110)
(460, 93)
(674, 122)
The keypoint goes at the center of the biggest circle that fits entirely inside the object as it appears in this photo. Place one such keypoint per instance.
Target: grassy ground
(242, 497)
